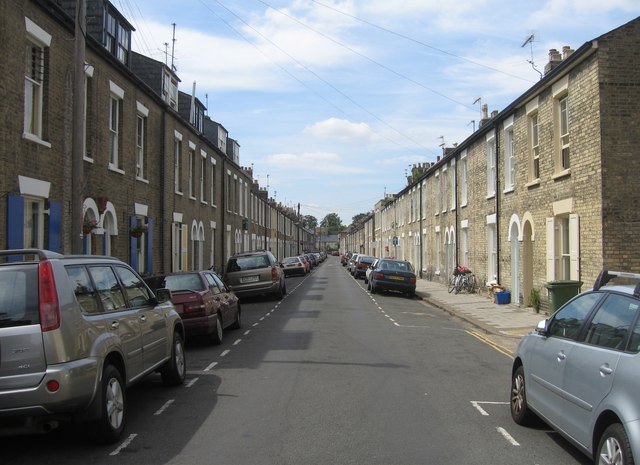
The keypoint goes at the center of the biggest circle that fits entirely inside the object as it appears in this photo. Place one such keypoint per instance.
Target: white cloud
(312, 162)
(340, 129)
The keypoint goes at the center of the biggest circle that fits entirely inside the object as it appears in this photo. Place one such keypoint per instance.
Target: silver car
(255, 273)
(75, 331)
(579, 371)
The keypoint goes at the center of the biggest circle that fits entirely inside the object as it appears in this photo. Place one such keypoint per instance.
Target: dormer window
(117, 38)
(170, 90)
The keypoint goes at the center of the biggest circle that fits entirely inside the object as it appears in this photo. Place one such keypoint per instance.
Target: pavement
(479, 309)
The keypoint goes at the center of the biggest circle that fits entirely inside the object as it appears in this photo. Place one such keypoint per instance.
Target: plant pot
(86, 230)
(136, 234)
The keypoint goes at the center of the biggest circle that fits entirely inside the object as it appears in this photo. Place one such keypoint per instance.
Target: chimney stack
(554, 60)
(566, 52)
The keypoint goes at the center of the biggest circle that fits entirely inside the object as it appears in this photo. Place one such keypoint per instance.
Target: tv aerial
(529, 40)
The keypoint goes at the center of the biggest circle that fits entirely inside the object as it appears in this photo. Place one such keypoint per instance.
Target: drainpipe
(495, 126)
(223, 201)
(457, 215)
(420, 231)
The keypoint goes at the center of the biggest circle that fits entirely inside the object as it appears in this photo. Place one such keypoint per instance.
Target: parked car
(367, 273)
(76, 331)
(393, 275)
(255, 273)
(578, 371)
(203, 302)
(293, 266)
(307, 264)
(312, 259)
(360, 266)
(344, 258)
(351, 262)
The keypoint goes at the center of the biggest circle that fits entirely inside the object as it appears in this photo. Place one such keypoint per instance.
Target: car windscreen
(177, 282)
(19, 295)
(247, 263)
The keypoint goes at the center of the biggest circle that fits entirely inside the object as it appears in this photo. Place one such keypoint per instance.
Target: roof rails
(40, 254)
(607, 275)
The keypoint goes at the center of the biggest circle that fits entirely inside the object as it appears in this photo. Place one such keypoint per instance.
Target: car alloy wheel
(519, 410)
(614, 447)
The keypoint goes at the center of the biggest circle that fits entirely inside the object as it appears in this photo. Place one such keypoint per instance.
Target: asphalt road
(328, 375)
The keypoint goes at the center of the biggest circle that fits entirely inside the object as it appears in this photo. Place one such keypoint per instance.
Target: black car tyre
(113, 407)
(520, 412)
(614, 447)
(218, 334)
(175, 370)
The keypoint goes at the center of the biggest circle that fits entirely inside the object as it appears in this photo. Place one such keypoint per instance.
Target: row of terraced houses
(542, 192)
(162, 186)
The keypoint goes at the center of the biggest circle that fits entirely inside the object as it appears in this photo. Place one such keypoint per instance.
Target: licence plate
(249, 279)
(397, 278)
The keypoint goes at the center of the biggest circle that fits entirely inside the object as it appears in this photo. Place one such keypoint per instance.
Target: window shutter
(149, 245)
(551, 250)
(55, 223)
(15, 222)
(133, 252)
(574, 246)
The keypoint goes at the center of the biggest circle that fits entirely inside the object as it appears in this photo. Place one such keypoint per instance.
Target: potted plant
(138, 230)
(89, 225)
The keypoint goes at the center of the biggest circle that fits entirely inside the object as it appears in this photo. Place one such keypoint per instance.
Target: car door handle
(606, 370)
(561, 356)
(143, 317)
(115, 325)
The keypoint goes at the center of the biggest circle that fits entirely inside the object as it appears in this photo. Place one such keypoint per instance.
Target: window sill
(115, 169)
(33, 138)
(561, 174)
(87, 159)
(204, 202)
(178, 193)
(491, 196)
(191, 197)
(509, 190)
(146, 181)
(534, 183)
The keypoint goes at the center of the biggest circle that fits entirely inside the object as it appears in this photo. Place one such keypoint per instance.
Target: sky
(333, 101)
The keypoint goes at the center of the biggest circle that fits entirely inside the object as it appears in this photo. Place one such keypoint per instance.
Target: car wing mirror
(163, 295)
(543, 327)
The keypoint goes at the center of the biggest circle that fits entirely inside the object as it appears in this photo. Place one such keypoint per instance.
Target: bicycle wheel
(452, 283)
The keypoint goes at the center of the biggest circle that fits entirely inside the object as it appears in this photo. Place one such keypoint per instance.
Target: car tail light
(412, 280)
(274, 273)
(48, 297)
(193, 307)
(378, 276)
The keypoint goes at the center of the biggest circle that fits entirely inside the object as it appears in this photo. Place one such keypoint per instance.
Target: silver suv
(579, 371)
(74, 332)
(255, 273)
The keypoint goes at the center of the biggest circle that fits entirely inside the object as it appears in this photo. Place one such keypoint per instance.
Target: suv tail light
(48, 297)
(274, 273)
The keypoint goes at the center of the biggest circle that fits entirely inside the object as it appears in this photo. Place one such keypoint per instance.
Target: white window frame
(464, 187)
(38, 40)
(491, 164)
(561, 120)
(452, 186)
(141, 134)
(213, 182)
(33, 228)
(177, 163)
(203, 176)
(509, 155)
(116, 99)
(192, 169)
(444, 185)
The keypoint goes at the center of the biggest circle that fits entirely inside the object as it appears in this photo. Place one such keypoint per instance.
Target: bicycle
(462, 281)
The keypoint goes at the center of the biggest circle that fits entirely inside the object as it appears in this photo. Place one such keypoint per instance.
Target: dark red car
(205, 304)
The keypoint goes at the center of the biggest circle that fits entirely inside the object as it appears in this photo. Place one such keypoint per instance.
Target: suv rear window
(19, 296)
(247, 263)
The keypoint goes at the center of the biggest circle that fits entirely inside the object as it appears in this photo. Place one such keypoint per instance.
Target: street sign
(395, 240)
